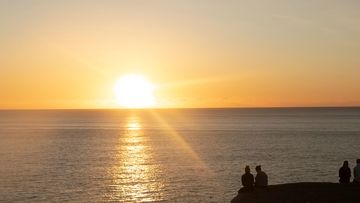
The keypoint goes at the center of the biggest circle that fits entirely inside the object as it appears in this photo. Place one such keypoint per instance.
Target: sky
(198, 53)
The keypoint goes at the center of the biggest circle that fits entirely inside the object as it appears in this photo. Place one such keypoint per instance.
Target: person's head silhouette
(346, 164)
(258, 168)
(358, 161)
(247, 169)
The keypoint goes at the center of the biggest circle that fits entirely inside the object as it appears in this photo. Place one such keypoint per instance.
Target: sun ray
(184, 145)
(196, 81)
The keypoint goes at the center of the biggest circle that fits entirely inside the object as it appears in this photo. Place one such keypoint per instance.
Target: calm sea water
(189, 155)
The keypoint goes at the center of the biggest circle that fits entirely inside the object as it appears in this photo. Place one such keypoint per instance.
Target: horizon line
(179, 108)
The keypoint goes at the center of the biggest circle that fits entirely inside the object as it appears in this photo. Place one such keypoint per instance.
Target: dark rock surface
(302, 193)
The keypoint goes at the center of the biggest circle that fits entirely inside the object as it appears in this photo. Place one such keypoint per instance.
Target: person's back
(247, 179)
(357, 172)
(261, 179)
(345, 173)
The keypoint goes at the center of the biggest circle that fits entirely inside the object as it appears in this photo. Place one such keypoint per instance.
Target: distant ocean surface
(180, 155)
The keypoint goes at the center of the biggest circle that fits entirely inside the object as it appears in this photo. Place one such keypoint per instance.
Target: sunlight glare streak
(195, 82)
(185, 146)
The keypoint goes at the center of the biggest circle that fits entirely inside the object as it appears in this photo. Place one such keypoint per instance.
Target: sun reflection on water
(136, 175)
(133, 124)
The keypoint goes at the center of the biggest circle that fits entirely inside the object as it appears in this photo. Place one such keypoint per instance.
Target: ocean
(169, 155)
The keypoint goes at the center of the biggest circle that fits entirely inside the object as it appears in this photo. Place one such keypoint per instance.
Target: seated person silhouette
(357, 172)
(247, 180)
(261, 179)
(345, 173)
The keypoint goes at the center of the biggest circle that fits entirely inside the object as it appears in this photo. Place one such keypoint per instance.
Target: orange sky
(199, 53)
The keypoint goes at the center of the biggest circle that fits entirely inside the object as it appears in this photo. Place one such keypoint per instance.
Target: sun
(134, 91)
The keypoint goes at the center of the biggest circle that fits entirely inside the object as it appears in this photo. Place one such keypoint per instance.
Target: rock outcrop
(302, 193)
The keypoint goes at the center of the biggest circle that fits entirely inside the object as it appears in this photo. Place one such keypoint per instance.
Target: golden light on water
(133, 125)
(136, 175)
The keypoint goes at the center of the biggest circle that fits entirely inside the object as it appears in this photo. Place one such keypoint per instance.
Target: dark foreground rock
(302, 193)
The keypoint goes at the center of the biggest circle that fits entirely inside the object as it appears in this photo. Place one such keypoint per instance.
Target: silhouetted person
(345, 173)
(261, 179)
(247, 180)
(357, 172)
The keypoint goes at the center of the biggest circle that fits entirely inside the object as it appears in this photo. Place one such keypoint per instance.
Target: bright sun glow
(134, 91)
